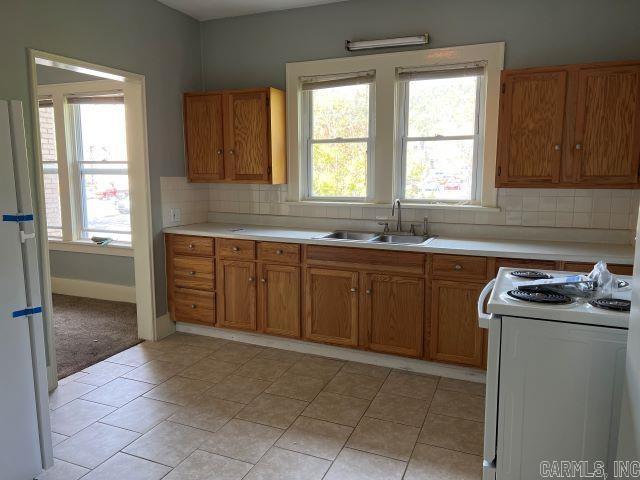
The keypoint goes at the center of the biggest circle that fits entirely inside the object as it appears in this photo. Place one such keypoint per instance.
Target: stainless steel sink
(400, 239)
(349, 235)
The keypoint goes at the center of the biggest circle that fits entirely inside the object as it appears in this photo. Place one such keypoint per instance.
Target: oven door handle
(483, 317)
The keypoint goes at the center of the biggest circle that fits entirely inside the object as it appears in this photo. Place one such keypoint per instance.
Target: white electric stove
(554, 376)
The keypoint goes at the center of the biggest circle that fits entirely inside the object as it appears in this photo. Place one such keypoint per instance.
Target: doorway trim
(133, 85)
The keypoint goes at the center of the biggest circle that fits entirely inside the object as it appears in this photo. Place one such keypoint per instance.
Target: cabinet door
(532, 108)
(237, 295)
(607, 138)
(455, 334)
(279, 299)
(393, 313)
(247, 136)
(204, 137)
(331, 306)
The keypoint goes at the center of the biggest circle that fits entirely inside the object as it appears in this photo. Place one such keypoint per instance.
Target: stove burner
(538, 295)
(615, 304)
(530, 274)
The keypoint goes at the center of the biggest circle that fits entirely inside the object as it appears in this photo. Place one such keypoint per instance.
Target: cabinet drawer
(587, 267)
(194, 306)
(184, 244)
(193, 272)
(459, 266)
(526, 264)
(279, 252)
(240, 249)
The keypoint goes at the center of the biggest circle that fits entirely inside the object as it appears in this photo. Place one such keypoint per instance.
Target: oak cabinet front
(393, 313)
(237, 298)
(279, 299)
(204, 137)
(331, 306)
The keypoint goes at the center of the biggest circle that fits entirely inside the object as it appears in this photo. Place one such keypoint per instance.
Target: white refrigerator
(25, 436)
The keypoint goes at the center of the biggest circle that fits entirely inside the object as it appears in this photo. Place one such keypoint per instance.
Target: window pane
(106, 205)
(439, 170)
(442, 106)
(102, 127)
(341, 112)
(339, 170)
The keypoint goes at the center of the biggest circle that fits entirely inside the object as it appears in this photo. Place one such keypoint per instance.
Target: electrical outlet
(175, 214)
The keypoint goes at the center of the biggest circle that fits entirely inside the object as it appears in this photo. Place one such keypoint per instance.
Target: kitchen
(337, 219)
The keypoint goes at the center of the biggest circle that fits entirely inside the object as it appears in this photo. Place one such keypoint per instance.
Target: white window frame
(308, 141)
(385, 169)
(403, 139)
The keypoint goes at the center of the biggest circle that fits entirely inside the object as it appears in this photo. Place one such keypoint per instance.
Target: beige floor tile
(71, 378)
(410, 385)
(118, 392)
(140, 415)
(384, 438)
(94, 445)
(263, 368)
(76, 415)
(108, 369)
(179, 390)
(122, 466)
(356, 465)
(354, 385)
(210, 343)
(184, 355)
(56, 438)
(272, 410)
(297, 386)
(155, 371)
(210, 370)
(62, 470)
(399, 409)
(162, 346)
(238, 389)
(366, 369)
(433, 463)
(474, 388)
(134, 356)
(453, 433)
(315, 437)
(456, 404)
(319, 367)
(207, 413)
(286, 356)
(236, 352)
(68, 392)
(285, 465)
(206, 466)
(168, 443)
(242, 440)
(337, 408)
(95, 379)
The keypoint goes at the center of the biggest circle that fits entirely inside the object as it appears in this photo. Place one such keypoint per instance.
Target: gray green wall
(252, 50)
(140, 36)
(92, 267)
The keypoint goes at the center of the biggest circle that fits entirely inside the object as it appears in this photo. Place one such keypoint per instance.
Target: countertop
(529, 249)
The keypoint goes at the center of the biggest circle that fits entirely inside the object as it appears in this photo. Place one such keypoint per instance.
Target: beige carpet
(89, 330)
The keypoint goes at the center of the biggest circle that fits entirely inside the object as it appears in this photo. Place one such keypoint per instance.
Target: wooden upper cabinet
(236, 136)
(573, 126)
(607, 138)
(531, 127)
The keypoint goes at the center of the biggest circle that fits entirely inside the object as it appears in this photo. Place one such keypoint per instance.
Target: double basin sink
(393, 238)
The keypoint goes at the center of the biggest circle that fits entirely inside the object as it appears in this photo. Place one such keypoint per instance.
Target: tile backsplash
(609, 209)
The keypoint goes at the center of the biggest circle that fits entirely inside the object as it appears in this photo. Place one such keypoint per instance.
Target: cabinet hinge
(504, 87)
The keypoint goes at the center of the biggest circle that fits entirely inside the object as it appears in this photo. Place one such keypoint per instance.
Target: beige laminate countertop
(530, 249)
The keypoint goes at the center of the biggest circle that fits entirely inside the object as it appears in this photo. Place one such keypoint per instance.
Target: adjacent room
(319, 240)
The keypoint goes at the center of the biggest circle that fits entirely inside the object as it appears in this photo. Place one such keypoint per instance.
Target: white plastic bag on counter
(602, 279)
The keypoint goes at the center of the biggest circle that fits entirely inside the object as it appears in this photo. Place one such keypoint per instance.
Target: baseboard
(381, 359)
(101, 291)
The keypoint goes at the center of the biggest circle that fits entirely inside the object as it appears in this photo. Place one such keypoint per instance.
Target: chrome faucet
(397, 203)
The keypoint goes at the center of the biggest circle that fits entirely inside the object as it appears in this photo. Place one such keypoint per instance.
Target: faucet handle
(412, 229)
(386, 226)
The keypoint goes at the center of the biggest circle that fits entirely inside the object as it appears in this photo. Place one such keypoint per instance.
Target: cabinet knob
(232, 152)
(219, 151)
(368, 291)
(279, 252)
(191, 246)
(556, 147)
(353, 289)
(192, 272)
(578, 146)
(263, 280)
(235, 249)
(193, 305)
(250, 279)
(457, 266)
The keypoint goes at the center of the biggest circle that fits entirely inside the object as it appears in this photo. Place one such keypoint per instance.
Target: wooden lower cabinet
(455, 334)
(393, 314)
(331, 306)
(279, 299)
(237, 294)
(194, 306)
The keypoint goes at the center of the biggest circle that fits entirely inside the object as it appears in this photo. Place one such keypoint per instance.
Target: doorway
(93, 195)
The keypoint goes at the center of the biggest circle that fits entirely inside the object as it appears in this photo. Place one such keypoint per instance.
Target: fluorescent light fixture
(387, 42)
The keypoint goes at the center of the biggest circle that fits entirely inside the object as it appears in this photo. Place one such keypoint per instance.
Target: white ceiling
(210, 9)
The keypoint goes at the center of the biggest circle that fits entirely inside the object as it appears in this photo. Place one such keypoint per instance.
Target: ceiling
(210, 9)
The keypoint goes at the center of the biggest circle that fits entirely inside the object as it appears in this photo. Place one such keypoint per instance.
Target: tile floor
(195, 408)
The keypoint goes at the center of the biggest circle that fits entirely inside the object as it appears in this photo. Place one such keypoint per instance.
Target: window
(440, 112)
(338, 137)
(50, 168)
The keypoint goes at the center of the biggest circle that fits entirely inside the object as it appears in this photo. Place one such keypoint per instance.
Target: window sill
(113, 249)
